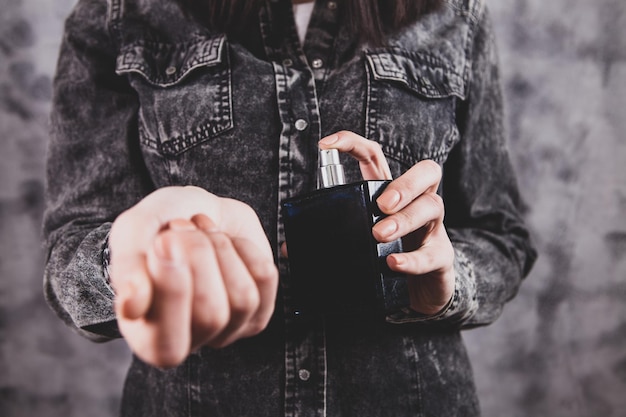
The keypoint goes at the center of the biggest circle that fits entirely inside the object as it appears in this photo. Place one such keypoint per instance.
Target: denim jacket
(145, 96)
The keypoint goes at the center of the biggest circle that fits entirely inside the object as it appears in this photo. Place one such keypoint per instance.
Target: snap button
(304, 374)
(332, 5)
(317, 63)
(170, 70)
(287, 62)
(301, 124)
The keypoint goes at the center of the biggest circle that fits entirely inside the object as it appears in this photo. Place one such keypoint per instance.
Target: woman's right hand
(189, 269)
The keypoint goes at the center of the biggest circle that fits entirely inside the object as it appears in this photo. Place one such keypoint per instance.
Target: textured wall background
(559, 348)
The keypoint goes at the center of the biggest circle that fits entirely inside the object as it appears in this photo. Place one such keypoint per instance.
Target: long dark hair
(371, 20)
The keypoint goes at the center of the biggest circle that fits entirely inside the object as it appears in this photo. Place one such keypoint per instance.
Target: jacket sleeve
(484, 209)
(94, 171)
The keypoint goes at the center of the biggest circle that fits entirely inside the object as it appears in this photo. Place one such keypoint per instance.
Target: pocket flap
(425, 74)
(164, 64)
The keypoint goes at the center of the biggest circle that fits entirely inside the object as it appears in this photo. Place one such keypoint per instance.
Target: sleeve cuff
(106, 262)
(461, 306)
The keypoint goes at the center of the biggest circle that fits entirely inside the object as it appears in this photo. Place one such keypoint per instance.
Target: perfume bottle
(336, 266)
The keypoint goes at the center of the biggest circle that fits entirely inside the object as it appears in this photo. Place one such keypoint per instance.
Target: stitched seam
(420, 83)
(211, 51)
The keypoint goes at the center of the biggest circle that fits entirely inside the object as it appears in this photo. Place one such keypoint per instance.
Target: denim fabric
(145, 97)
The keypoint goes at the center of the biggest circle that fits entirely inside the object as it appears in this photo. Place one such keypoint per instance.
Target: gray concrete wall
(559, 349)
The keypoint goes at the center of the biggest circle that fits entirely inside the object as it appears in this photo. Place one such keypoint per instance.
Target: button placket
(298, 106)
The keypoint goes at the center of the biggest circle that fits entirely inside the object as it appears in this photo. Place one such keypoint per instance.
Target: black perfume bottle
(336, 265)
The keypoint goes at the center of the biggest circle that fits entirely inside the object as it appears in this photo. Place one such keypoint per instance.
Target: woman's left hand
(414, 213)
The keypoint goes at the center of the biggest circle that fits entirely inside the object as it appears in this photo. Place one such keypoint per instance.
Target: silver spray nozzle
(330, 169)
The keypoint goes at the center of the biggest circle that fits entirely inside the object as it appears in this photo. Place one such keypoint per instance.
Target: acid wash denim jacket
(147, 97)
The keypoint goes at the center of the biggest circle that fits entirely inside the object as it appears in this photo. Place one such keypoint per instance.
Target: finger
(209, 305)
(436, 255)
(260, 267)
(241, 290)
(204, 223)
(167, 335)
(180, 225)
(265, 275)
(431, 268)
(425, 212)
(422, 177)
(368, 153)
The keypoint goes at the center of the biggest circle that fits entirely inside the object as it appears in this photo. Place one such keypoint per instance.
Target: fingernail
(396, 261)
(329, 140)
(181, 225)
(388, 200)
(386, 228)
(205, 223)
(168, 253)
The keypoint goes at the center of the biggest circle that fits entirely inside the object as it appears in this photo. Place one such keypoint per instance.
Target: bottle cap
(330, 169)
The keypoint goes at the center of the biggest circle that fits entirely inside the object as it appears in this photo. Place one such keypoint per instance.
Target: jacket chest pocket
(184, 91)
(411, 105)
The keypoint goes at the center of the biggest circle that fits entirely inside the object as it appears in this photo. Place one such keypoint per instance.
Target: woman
(178, 128)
